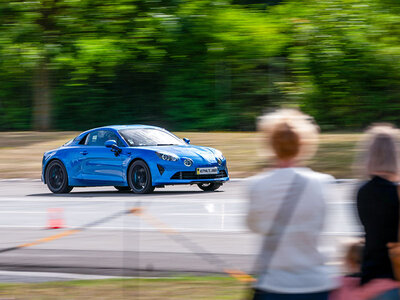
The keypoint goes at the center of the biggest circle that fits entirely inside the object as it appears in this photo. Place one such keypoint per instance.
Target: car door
(76, 160)
(100, 165)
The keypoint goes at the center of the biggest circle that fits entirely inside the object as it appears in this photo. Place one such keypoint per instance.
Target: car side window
(83, 140)
(99, 137)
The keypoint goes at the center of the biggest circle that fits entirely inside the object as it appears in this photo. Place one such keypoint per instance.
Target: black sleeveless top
(378, 209)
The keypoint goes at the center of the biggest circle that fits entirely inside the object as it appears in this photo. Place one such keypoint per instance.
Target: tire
(209, 186)
(123, 188)
(57, 178)
(139, 178)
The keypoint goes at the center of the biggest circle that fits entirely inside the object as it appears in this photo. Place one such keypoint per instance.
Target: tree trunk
(41, 98)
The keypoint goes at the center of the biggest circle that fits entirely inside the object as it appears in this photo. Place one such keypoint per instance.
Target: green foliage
(199, 64)
(347, 53)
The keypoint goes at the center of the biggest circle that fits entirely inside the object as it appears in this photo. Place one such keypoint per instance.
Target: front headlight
(219, 157)
(167, 157)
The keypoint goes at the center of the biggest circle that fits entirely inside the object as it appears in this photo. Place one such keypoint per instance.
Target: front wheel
(57, 178)
(139, 178)
(209, 186)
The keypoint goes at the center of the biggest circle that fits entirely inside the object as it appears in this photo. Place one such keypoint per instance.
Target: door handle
(84, 152)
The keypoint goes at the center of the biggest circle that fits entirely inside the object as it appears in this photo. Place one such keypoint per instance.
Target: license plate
(206, 171)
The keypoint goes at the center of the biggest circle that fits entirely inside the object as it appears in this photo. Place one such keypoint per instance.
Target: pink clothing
(350, 289)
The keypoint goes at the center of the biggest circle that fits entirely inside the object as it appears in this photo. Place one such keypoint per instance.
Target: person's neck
(286, 163)
(388, 176)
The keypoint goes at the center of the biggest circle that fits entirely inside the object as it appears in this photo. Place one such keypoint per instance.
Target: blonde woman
(287, 208)
(378, 201)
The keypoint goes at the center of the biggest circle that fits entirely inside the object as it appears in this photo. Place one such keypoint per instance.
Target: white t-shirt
(296, 266)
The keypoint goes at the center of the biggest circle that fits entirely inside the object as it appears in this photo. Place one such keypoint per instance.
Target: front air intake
(192, 175)
(161, 169)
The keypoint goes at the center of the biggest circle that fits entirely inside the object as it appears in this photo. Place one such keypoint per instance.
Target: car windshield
(149, 137)
(69, 142)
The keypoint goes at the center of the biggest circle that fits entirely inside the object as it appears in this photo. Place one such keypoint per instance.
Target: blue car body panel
(99, 166)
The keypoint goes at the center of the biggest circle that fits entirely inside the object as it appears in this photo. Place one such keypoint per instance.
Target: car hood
(196, 153)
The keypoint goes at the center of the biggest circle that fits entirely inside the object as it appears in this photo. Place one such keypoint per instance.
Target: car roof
(120, 127)
(114, 127)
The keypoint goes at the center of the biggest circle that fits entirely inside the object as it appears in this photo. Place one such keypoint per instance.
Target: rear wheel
(209, 186)
(57, 178)
(123, 188)
(139, 178)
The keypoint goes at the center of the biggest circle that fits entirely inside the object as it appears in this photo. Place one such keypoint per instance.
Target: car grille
(193, 175)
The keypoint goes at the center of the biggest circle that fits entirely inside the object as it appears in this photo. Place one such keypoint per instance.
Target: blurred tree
(30, 37)
(260, 3)
(345, 57)
(115, 64)
(88, 39)
(197, 65)
(223, 74)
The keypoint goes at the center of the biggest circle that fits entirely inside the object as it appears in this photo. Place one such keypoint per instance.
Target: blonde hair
(379, 151)
(289, 134)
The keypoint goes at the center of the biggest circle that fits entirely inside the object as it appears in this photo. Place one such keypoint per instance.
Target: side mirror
(110, 143)
(186, 140)
(114, 147)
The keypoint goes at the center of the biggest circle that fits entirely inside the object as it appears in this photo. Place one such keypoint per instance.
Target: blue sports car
(133, 157)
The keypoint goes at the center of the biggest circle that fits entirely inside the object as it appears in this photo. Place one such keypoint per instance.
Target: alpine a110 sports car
(132, 157)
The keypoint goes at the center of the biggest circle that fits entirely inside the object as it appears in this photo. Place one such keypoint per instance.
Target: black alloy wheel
(209, 186)
(139, 178)
(123, 188)
(57, 178)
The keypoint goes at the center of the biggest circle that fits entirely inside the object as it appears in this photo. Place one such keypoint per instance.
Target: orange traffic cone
(55, 218)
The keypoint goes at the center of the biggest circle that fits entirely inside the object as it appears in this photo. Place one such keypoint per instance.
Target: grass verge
(21, 152)
(143, 289)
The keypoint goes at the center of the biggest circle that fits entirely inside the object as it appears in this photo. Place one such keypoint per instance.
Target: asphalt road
(182, 230)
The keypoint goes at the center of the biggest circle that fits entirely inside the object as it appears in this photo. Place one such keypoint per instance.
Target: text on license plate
(206, 171)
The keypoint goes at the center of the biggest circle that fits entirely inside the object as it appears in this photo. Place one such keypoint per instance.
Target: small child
(350, 288)
(353, 259)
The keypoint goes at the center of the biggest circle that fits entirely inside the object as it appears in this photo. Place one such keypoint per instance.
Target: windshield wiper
(166, 144)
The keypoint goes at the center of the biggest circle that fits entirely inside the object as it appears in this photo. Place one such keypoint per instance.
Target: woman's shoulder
(259, 178)
(367, 191)
(313, 175)
(375, 183)
(284, 176)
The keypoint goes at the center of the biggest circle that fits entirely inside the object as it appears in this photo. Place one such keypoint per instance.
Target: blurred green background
(197, 64)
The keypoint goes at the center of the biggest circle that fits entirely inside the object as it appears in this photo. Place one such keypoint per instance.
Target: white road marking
(202, 214)
(43, 212)
(57, 275)
(210, 207)
(132, 228)
(143, 201)
(93, 199)
(21, 212)
(181, 229)
(20, 179)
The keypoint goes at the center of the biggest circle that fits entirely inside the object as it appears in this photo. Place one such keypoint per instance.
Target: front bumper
(168, 174)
